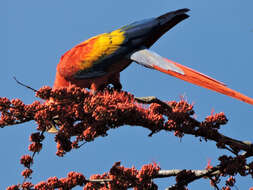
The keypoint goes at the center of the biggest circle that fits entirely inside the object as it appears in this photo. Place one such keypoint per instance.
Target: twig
(236, 144)
(22, 84)
(214, 183)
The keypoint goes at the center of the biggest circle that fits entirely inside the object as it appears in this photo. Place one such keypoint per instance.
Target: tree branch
(77, 112)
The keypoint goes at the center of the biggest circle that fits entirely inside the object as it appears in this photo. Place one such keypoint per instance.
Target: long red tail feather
(202, 80)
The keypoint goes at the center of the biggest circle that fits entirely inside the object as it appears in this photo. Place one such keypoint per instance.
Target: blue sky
(217, 40)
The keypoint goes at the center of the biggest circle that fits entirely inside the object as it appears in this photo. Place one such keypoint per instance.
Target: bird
(98, 61)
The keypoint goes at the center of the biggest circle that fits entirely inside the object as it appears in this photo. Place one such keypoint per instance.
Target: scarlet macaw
(98, 61)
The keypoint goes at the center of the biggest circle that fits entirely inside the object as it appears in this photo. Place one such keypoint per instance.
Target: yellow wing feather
(105, 44)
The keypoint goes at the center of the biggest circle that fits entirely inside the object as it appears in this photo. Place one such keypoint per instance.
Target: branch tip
(22, 84)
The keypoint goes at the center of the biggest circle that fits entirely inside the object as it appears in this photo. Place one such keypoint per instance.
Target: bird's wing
(96, 57)
(154, 61)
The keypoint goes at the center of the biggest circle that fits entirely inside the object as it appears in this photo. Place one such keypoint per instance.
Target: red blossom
(63, 142)
(60, 153)
(89, 134)
(4, 104)
(41, 186)
(26, 160)
(44, 92)
(17, 109)
(17, 103)
(35, 147)
(148, 172)
(27, 185)
(215, 120)
(27, 172)
(170, 125)
(13, 187)
(76, 178)
(31, 109)
(156, 108)
(123, 178)
(36, 137)
(54, 182)
(209, 166)
(230, 181)
(44, 119)
(181, 107)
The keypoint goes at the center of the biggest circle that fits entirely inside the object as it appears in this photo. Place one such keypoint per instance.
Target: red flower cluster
(77, 112)
(181, 107)
(148, 171)
(119, 177)
(36, 137)
(88, 116)
(15, 111)
(216, 120)
(230, 181)
(123, 178)
(26, 160)
(232, 166)
(13, 187)
(35, 147)
(27, 185)
(24, 186)
(74, 179)
(4, 104)
(27, 173)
